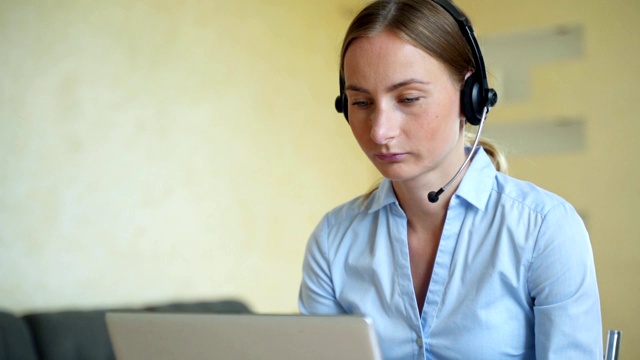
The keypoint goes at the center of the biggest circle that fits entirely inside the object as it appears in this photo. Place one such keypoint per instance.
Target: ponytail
(498, 158)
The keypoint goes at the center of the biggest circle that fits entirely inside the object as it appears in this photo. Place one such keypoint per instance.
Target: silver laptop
(164, 336)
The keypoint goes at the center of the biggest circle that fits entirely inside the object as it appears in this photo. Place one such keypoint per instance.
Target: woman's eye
(409, 100)
(360, 103)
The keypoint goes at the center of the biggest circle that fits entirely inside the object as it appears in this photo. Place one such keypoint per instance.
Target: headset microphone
(434, 196)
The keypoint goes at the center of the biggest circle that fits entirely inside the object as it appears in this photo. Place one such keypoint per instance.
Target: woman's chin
(394, 173)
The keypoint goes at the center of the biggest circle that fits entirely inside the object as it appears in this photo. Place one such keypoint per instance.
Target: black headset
(476, 95)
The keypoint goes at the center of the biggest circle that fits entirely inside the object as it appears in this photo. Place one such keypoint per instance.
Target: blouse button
(419, 342)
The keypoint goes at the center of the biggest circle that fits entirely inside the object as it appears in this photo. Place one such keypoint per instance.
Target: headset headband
(476, 94)
(469, 35)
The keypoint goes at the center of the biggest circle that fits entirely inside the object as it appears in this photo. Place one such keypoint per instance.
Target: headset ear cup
(345, 106)
(469, 101)
(338, 104)
(341, 105)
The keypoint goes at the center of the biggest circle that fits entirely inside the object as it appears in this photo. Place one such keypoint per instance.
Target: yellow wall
(167, 150)
(603, 89)
(162, 150)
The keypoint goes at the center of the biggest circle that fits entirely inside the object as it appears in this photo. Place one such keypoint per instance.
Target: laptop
(164, 336)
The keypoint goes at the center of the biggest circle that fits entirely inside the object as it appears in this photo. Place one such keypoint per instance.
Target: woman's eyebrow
(390, 88)
(405, 83)
(356, 89)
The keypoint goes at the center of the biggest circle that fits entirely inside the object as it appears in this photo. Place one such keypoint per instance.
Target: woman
(488, 267)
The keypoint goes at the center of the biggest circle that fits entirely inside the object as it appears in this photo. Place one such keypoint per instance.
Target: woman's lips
(391, 157)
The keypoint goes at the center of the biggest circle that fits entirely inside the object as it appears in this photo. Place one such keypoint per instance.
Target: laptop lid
(164, 336)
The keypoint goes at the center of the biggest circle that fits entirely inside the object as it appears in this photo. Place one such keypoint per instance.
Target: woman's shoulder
(363, 206)
(529, 195)
(347, 211)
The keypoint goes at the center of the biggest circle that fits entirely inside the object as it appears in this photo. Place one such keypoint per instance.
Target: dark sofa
(80, 334)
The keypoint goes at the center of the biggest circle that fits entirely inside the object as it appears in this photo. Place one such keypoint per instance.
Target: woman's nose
(384, 125)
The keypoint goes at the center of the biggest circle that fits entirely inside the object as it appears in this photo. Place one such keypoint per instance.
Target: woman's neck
(421, 213)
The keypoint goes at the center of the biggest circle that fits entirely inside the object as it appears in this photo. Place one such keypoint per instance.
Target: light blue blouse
(514, 276)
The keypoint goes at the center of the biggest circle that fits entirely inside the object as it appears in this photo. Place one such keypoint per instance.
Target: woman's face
(404, 110)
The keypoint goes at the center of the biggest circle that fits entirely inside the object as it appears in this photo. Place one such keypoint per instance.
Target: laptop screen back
(240, 337)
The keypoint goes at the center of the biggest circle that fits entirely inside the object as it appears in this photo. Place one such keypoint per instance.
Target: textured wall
(160, 150)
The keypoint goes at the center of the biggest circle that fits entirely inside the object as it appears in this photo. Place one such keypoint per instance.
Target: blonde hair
(423, 23)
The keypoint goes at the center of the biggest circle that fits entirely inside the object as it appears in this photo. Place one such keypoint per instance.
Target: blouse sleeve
(562, 283)
(317, 294)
